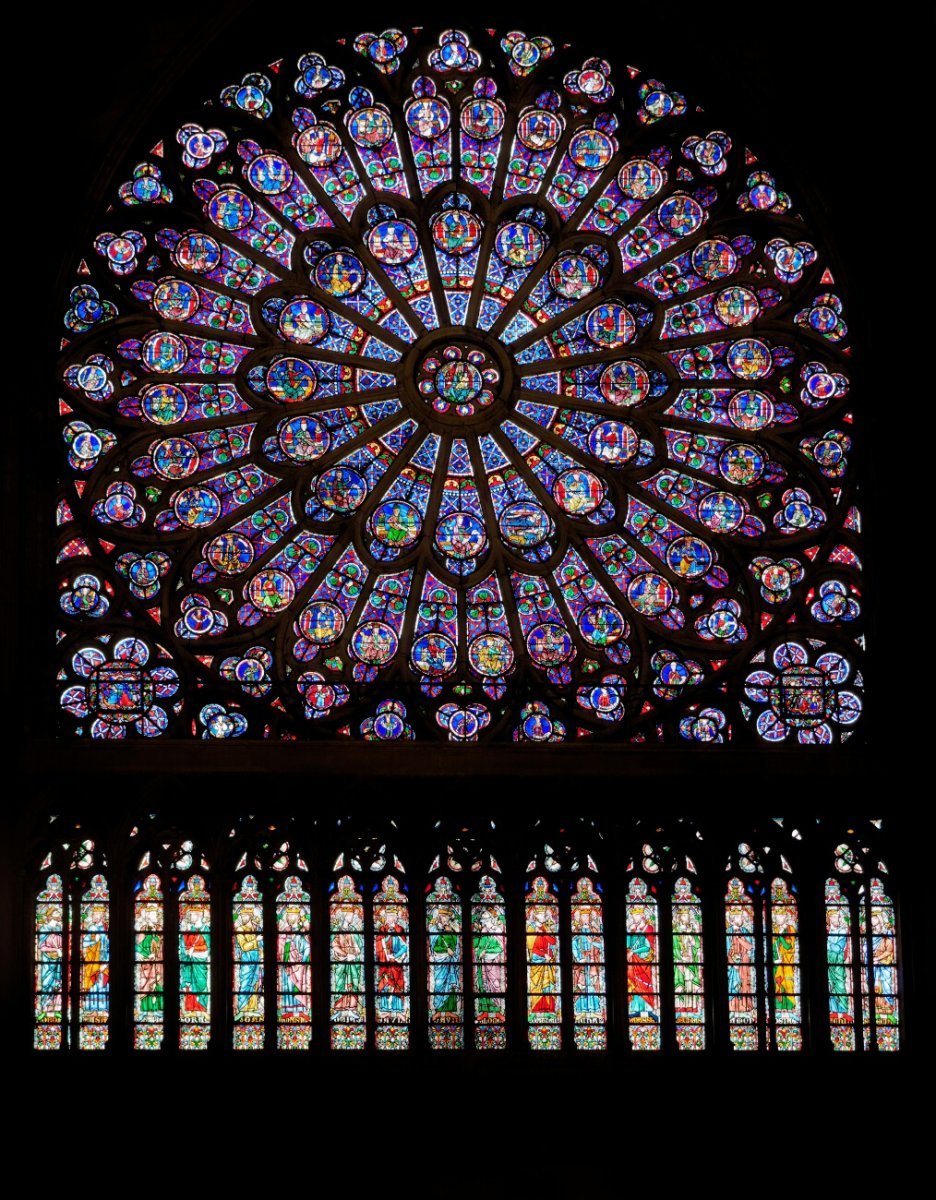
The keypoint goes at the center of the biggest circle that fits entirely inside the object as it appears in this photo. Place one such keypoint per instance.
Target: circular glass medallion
(175, 458)
(461, 536)
(427, 118)
(613, 442)
(271, 590)
(270, 174)
(340, 274)
(393, 242)
(374, 643)
(433, 654)
(291, 380)
(624, 383)
(491, 655)
(741, 464)
(230, 553)
(650, 594)
(319, 145)
(456, 232)
(736, 306)
(681, 215)
(197, 252)
(601, 625)
(574, 276)
(721, 512)
(230, 209)
(197, 507)
(640, 179)
(321, 623)
(591, 149)
(164, 353)
(342, 489)
(396, 523)
(519, 244)
(303, 321)
(714, 259)
(549, 645)
(750, 410)
(303, 439)
(524, 525)
(610, 325)
(578, 492)
(749, 359)
(538, 129)
(175, 300)
(163, 404)
(370, 128)
(482, 118)
(689, 557)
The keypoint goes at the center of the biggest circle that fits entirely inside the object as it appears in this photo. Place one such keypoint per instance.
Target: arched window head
(456, 385)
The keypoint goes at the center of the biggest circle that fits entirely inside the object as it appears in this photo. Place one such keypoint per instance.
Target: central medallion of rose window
(458, 380)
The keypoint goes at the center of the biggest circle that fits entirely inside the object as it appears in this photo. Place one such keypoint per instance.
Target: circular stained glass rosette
(495, 387)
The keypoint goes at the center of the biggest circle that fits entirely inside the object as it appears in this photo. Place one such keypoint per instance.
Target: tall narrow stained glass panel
(247, 947)
(294, 967)
(194, 965)
(489, 965)
(445, 958)
(786, 989)
(391, 966)
(544, 980)
(688, 974)
(49, 962)
(740, 942)
(589, 983)
(346, 952)
(148, 965)
(879, 983)
(94, 967)
(643, 967)
(840, 966)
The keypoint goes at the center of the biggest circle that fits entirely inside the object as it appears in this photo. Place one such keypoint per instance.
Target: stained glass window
(643, 966)
(72, 950)
(194, 964)
(861, 951)
(348, 997)
(459, 385)
(391, 965)
(763, 952)
(544, 975)
(489, 965)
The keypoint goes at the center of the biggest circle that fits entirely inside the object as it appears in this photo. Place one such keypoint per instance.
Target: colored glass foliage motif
(500, 398)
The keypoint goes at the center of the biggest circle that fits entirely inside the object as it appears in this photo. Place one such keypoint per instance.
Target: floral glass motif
(502, 388)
